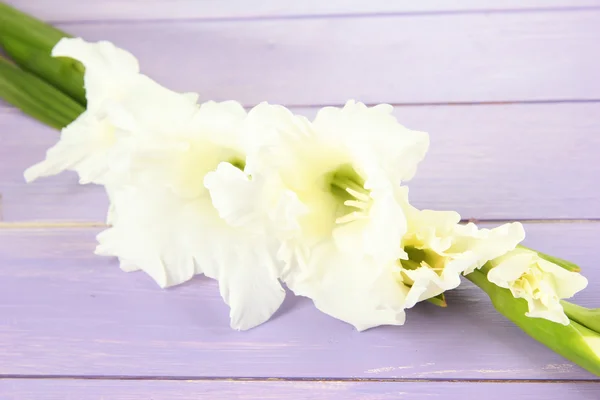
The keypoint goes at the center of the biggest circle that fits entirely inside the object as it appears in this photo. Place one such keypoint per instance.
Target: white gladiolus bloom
(151, 147)
(440, 250)
(166, 224)
(90, 143)
(330, 192)
(541, 283)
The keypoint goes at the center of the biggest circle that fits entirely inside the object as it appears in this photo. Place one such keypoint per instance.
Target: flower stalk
(576, 341)
(31, 30)
(63, 73)
(47, 88)
(35, 97)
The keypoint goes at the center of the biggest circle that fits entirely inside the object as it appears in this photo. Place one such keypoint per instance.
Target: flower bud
(573, 341)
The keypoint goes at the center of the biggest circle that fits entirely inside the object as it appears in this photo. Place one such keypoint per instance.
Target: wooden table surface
(510, 94)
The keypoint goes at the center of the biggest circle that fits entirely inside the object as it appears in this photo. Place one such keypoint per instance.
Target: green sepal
(588, 317)
(439, 300)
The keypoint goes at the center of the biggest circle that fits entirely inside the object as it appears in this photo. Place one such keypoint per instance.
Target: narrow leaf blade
(64, 73)
(36, 97)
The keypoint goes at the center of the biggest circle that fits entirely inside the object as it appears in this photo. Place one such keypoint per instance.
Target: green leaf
(36, 97)
(28, 29)
(569, 266)
(575, 342)
(29, 42)
(64, 73)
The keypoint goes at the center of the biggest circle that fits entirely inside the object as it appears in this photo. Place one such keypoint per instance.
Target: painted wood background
(510, 94)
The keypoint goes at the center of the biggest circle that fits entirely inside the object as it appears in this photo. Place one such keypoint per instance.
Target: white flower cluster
(263, 197)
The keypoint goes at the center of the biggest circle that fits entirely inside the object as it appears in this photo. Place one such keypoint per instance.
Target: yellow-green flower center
(347, 187)
(238, 162)
(531, 281)
(418, 258)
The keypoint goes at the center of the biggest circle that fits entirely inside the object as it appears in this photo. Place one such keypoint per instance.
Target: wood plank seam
(8, 109)
(460, 138)
(98, 224)
(481, 68)
(289, 379)
(50, 225)
(455, 103)
(333, 16)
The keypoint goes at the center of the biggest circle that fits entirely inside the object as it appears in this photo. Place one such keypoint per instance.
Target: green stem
(35, 97)
(575, 342)
(29, 43)
(64, 73)
(29, 29)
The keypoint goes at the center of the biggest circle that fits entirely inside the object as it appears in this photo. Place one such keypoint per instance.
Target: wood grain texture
(11, 389)
(422, 59)
(64, 311)
(514, 161)
(69, 10)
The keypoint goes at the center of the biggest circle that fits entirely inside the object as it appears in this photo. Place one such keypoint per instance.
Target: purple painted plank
(422, 59)
(515, 161)
(73, 10)
(220, 390)
(65, 311)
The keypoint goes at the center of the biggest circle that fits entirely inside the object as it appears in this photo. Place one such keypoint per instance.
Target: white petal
(489, 244)
(553, 313)
(435, 229)
(235, 197)
(108, 69)
(375, 138)
(150, 108)
(255, 204)
(82, 147)
(102, 55)
(276, 133)
(357, 291)
(568, 283)
(387, 224)
(221, 123)
(111, 214)
(428, 284)
(279, 141)
(156, 232)
(248, 282)
(510, 270)
(379, 235)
